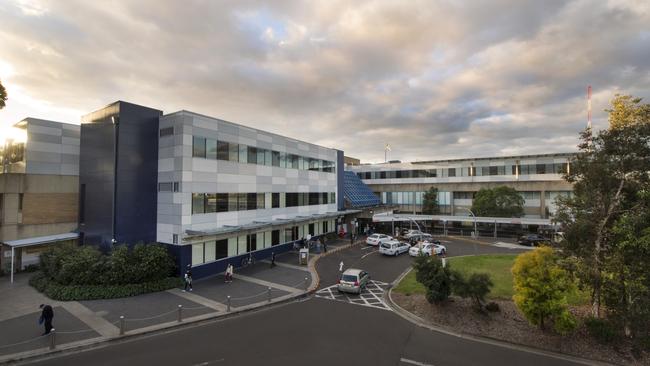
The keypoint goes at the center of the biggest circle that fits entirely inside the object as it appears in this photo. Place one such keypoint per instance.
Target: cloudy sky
(435, 79)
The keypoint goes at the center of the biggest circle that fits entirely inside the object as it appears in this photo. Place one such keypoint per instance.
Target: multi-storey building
(39, 168)
(212, 190)
(537, 177)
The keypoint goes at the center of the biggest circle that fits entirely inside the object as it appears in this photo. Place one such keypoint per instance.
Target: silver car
(353, 280)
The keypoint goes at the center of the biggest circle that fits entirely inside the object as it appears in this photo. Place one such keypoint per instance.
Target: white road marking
(406, 360)
(367, 254)
(367, 247)
(372, 296)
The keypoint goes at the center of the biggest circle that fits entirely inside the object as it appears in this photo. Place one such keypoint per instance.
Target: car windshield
(387, 246)
(349, 278)
(374, 236)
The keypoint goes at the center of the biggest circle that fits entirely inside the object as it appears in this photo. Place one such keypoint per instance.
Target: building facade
(538, 178)
(39, 168)
(213, 191)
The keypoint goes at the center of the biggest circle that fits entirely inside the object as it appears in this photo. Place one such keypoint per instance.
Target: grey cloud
(436, 79)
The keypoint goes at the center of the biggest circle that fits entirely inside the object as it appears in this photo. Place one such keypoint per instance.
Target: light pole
(473, 216)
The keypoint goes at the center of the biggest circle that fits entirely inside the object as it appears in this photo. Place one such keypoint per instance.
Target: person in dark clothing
(272, 259)
(46, 317)
(324, 244)
(188, 278)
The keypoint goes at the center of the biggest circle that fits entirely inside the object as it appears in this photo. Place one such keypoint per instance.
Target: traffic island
(508, 327)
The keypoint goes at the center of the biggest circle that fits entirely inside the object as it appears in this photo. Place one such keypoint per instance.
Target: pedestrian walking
(227, 274)
(351, 239)
(324, 245)
(272, 259)
(46, 318)
(188, 278)
(341, 266)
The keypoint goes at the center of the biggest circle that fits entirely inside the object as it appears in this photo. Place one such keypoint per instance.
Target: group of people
(230, 270)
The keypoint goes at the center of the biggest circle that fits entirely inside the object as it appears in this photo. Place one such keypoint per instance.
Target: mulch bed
(509, 325)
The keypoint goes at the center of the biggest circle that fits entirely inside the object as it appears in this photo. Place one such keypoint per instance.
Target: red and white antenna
(589, 107)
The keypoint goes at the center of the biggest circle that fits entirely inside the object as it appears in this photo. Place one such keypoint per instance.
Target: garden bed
(60, 292)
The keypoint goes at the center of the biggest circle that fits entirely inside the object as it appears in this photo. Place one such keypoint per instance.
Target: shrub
(541, 288)
(68, 265)
(435, 278)
(60, 292)
(476, 287)
(601, 330)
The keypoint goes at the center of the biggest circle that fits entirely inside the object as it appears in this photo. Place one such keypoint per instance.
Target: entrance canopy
(49, 239)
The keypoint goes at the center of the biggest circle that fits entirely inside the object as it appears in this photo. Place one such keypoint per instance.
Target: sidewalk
(80, 323)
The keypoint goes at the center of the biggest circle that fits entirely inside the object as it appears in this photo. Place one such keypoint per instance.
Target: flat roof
(489, 220)
(40, 240)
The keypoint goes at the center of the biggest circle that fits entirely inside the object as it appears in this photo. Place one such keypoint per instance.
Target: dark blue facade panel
(96, 177)
(137, 174)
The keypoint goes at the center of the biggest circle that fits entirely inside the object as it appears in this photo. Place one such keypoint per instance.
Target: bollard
(121, 324)
(52, 339)
(269, 292)
(228, 309)
(180, 313)
(306, 283)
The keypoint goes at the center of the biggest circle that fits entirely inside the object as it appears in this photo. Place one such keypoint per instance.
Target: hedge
(60, 292)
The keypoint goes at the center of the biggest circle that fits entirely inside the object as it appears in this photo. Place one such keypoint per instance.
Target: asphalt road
(314, 332)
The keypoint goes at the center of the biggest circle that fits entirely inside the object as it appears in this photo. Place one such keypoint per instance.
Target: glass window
(243, 154)
(242, 199)
(452, 172)
(540, 169)
(222, 202)
(211, 148)
(251, 201)
(198, 203)
(233, 201)
(233, 152)
(268, 160)
(302, 164)
(275, 237)
(295, 162)
(198, 147)
(260, 156)
(197, 254)
(221, 249)
(211, 202)
(283, 160)
(275, 158)
(251, 242)
(275, 200)
(252, 155)
(232, 246)
(260, 201)
(222, 150)
(210, 251)
(164, 187)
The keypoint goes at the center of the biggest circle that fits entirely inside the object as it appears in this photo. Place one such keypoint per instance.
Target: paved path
(318, 331)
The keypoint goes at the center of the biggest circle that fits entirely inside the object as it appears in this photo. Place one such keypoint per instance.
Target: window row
(525, 169)
(168, 187)
(225, 202)
(221, 150)
(410, 198)
(212, 250)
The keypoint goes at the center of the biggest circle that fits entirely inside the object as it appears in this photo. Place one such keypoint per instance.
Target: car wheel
(443, 252)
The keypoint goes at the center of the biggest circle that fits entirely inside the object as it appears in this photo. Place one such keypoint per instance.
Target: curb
(416, 320)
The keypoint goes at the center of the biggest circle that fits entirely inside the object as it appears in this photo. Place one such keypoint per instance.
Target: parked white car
(376, 239)
(427, 249)
(417, 235)
(393, 247)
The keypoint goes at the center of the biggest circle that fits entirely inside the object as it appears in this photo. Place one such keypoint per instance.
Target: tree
(608, 171)
(501, 201)
(3, 96)
(541, 287)
(430, 202)
(626, 283)
(627, 110)
(476, 287)
(435, 278)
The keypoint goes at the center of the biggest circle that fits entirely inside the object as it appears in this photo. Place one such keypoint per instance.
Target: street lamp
(474, 216)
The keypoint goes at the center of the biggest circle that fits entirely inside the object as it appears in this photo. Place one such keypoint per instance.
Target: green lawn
(497, 266)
